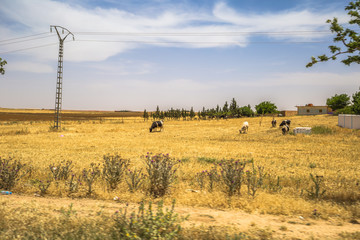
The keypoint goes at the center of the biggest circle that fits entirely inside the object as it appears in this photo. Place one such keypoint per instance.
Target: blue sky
(135, 55)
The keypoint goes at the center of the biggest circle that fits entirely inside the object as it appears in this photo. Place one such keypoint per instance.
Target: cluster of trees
(232, 110)
(342, 104)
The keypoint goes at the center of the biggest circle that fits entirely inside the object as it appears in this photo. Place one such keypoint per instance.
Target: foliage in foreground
(144, 224)
(2, 64)
(346, 36)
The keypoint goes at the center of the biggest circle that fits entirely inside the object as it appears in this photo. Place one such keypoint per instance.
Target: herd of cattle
(284, 125)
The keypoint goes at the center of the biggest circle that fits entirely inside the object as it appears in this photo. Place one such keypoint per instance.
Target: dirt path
(282, 227)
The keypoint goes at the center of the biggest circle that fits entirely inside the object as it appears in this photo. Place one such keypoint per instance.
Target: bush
(316, 191)
(10, 172)
(321, 130)
(255, 178)
(211, 177)
(134, 179)
(345, 110)
(207, 160)
(61, 171)
(90, 175)
(161, 173)
(146, 224)
(114, 168)
(232, 174)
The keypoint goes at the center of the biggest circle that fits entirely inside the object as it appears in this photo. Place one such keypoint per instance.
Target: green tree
(349, 38)
(265, 107)
(233, 107)
(356, 102)
(246, 111)
(226, 107)
(338, 101)
(203, 113)
(2, 69)
(192, 113)
(145, 115)
(218, 109)
(157, 113)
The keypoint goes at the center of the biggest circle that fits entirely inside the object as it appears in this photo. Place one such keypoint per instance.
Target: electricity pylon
(58, 98)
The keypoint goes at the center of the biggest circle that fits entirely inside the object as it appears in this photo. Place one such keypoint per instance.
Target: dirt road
(281, 227)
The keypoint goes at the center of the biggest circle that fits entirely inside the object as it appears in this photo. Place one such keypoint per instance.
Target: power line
(166, 34)
(171, 42)
(11, 39)
(202, 42)
(26, 40)
(24, 49)
(201, 34)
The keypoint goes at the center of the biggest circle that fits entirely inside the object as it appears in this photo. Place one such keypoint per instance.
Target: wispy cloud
(36, 16)
(22, 66)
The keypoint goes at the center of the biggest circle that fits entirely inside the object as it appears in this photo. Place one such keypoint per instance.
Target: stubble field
(287, 189)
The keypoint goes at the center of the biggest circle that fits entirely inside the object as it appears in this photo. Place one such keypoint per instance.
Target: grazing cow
(285, 122)
(244, 128)
(157, 124)
(285, 129)
(273, 123)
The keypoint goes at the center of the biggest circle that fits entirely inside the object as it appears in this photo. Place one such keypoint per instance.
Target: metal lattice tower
(58, 98)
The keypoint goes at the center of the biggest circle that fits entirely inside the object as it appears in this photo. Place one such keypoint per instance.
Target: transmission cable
(26, 40)
(201, 34)
(11, 39)
(24, 49)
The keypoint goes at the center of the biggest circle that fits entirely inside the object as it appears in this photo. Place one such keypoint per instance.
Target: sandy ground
(282, 227)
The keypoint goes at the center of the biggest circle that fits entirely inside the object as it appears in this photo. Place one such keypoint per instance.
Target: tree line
(341, 103)
(232, 110)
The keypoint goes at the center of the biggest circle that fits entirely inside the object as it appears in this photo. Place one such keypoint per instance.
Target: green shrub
(232, 174)
(321, 130)
(90, 175)
(134, 179)
(10, 172)
(61, 171)
(114, 168)
(255, 178)
(316, 191)
(207, 160)
(161, 171)
(145, 224)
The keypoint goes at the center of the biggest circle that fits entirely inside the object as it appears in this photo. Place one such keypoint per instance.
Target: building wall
(349, 121)
(312, 110)
(288, 113)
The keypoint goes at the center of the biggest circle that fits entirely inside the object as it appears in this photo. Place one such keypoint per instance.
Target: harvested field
(286, 199)
(48, 115)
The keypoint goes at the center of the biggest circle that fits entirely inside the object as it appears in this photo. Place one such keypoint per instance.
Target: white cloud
(37, 15)
(290, 20)
(296, 79)
(29, 67)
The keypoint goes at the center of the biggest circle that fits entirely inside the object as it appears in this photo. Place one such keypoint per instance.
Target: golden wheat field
(287, 161)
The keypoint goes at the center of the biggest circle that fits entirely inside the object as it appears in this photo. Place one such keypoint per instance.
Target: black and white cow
(273, 123)
(285, 129)
(285, 122)
(157, 124)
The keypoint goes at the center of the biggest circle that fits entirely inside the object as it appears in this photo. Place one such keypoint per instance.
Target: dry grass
(291, 158)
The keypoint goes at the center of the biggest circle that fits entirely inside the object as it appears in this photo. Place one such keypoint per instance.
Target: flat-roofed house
(310, 109)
